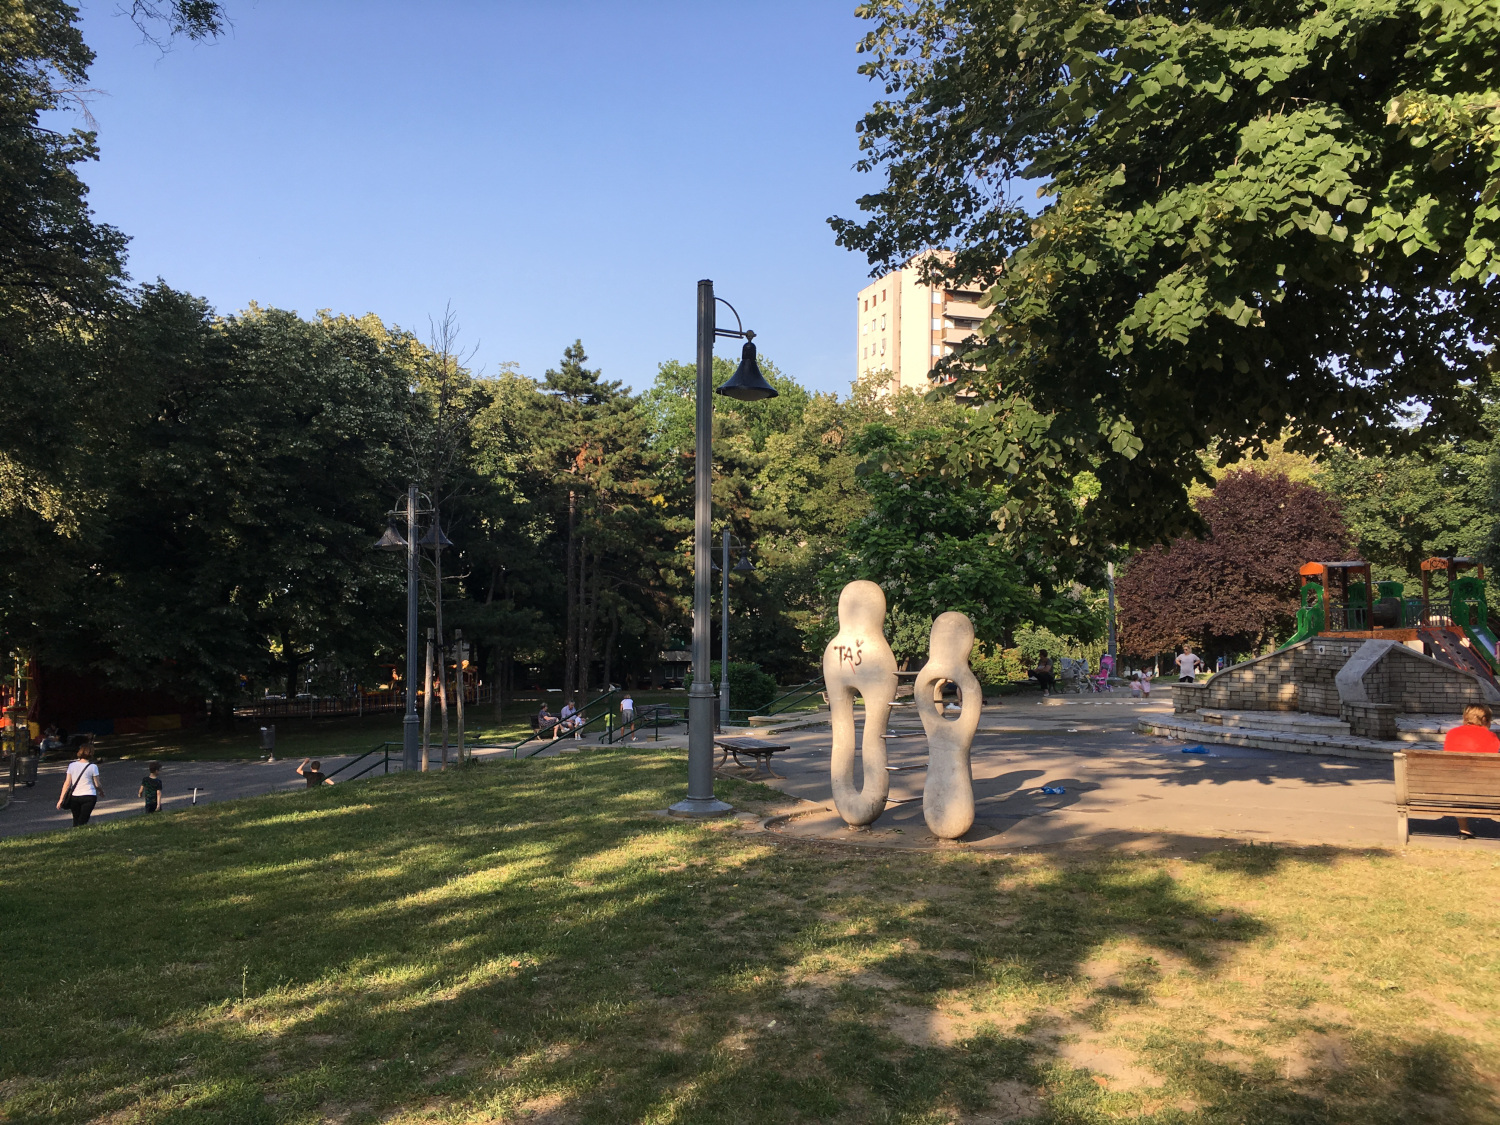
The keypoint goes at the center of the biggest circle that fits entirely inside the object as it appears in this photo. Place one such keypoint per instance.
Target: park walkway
(1122, 788)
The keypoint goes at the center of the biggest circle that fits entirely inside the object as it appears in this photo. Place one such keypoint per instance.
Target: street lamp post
(392, 540)
(742, 567)
(1111, 569)
(748, 385)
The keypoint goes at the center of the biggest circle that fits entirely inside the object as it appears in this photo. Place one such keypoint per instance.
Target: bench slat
(1436, 775)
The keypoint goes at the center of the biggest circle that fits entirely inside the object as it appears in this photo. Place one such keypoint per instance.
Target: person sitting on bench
(1042, 673)
(1473, 736)
(546, 721)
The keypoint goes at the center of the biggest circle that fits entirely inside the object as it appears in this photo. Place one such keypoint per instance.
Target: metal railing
(546, 737)
(653, 715)
(383, 749)
(791, 699)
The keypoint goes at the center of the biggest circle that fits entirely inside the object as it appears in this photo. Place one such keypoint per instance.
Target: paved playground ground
(1123, 789)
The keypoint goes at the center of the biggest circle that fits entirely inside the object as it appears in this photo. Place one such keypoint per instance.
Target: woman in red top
(1473, 737)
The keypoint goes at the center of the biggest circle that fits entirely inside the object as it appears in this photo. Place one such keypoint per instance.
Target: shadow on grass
(527, 939)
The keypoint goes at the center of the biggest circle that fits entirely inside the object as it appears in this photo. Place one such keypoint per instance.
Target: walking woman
(82, 788)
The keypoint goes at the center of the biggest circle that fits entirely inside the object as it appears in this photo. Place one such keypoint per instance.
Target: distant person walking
(81, 788)
(151, 787)
(627, 715)
(1140, 684)
(313, 771)
(1188, 665)
(1472, 736)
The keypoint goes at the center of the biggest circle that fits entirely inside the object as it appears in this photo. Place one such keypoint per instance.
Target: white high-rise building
(906, 326)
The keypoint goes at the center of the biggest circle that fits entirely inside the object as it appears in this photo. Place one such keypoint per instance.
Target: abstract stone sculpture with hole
(948, 799)
(858, 660)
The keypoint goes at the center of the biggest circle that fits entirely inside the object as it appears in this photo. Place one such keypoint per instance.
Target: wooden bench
(1439, 783)
(753, 748)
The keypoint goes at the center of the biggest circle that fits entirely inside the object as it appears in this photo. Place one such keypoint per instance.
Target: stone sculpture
(858, 660)
(948, 799)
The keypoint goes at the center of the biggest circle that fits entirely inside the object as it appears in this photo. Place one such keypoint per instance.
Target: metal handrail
(381, 748)
(515, 750)
(785, 702)
(614, 733)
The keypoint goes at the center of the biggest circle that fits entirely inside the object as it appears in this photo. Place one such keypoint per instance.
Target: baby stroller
(1099, 681)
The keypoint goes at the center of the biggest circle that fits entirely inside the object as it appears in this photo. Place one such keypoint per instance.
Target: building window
(937, 324)
(937, 297)
(937, 350)
(882, 294)
(882, 322)
(882, 347)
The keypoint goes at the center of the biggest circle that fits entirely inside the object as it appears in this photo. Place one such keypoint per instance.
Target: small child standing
(151, 787)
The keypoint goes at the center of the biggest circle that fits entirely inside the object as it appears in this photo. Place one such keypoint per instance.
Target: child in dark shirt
(313, 771)
(151, 787)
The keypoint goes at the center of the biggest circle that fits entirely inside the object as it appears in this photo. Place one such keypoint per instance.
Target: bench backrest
(1438, 777)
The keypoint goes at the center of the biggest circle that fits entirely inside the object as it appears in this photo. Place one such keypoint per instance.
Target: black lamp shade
(744, 566)
(435, 537)
(748, 384)
(392, 540)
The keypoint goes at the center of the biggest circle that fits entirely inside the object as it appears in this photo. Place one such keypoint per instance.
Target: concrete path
(35, 809)
(1122, 788)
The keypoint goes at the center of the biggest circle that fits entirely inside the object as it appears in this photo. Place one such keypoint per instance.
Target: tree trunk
(427, 704)
(609, 648)
(570, 629)
(588, 615)
(442, 648)
(590, 621)
(458, 683)
(443, 696)
(291, 664)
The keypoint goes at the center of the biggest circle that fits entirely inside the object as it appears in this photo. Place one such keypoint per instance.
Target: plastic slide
(1482, 641)
(1309, 617)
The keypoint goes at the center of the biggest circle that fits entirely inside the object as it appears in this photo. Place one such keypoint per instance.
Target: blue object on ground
(1054, 790)
(1195, 749)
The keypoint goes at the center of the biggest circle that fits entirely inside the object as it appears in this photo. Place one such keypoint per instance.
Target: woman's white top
(85, 776)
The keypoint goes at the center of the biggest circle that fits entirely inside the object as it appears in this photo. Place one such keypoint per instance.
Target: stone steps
(1290, 721)
(1290, 741)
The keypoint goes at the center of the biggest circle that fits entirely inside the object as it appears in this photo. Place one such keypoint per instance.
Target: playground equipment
(1340, 600)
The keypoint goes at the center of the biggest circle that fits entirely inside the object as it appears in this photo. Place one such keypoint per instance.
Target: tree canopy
(1235, 590)
(1259, 220)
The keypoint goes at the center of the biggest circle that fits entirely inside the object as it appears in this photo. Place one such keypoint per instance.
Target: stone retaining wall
(1416, 683)
(1305, 678)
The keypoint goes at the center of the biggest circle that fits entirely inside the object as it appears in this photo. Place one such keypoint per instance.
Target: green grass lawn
(525, 942)
(299, 738)
(324, 737)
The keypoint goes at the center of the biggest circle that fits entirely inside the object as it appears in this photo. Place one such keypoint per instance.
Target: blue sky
(555, 170)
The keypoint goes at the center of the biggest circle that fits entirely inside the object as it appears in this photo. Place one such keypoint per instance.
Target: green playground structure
(1310, 615)
(1337, 600)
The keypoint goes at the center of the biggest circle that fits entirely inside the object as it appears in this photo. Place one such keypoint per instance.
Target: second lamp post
(747, 385)
(744, 566)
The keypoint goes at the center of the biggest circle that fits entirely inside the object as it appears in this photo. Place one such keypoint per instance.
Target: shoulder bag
(67, 800)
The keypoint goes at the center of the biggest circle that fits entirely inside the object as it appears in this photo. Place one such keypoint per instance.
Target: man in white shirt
(627, 715)
(1188, 665)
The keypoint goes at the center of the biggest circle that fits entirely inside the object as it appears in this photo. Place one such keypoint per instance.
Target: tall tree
(233, 499)
(1235, 590)
(1260, 219)
(933, 545)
